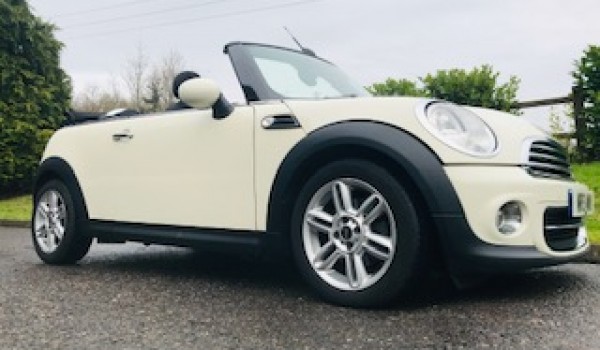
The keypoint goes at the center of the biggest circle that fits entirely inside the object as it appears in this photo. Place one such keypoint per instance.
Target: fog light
(509, 218)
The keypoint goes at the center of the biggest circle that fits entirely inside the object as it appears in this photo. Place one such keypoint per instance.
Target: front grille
(560, 229)
(548, 159)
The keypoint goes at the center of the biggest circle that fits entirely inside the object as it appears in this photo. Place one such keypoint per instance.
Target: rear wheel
(57, 234)
(356, 236)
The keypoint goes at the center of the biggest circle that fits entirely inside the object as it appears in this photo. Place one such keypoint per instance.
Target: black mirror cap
(181, 78)
(222, 108)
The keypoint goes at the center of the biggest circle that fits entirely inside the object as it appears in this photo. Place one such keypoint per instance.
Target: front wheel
(56, 226)
(356, 236)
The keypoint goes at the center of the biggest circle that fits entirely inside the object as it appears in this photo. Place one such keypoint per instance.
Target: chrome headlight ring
(458, 128)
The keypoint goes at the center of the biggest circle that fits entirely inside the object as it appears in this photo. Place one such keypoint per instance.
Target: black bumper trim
(466, 254)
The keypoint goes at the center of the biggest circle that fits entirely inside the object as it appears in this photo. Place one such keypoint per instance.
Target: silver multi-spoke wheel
(49, 221)
(58, 224)
(349, 234)
(355, 235)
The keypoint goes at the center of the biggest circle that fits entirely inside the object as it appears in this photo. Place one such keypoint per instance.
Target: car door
(181, 168)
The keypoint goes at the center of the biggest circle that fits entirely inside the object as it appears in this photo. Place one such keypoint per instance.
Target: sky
(535, 40)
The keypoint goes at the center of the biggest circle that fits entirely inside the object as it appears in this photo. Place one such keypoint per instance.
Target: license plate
(581, 203)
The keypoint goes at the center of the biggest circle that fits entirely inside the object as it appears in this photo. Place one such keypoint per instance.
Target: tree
(97, 99)
(142, 86)
(562, 125)
(400, 87)
(587, 78)
(167, 69)
(150, 85)
(478, 87)
(155, 94)
(135, 77)
(34, 92)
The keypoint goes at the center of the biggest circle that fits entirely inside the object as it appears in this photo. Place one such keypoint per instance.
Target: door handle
(123, 135)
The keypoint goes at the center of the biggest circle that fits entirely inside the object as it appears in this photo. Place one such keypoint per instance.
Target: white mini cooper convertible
(364, 192)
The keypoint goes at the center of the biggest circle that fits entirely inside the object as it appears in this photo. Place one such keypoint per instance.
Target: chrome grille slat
(539, 148)
(560, 229)
(549, 167)
(547, 159)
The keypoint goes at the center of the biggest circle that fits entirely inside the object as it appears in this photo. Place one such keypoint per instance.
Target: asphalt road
(136, 297)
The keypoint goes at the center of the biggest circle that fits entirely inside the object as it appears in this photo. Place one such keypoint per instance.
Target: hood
(513, 133)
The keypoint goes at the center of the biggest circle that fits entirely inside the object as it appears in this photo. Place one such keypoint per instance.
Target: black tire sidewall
(75, 243)
(398, 279)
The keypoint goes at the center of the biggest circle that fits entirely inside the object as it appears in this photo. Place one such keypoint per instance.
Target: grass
(16, 209)
(19, 208)
(590, 175)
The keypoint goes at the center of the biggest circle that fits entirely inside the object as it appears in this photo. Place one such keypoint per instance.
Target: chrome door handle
(123, 135)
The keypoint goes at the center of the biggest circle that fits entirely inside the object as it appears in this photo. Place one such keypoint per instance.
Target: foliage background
(477, 87)
(34, 93)
(587, 77)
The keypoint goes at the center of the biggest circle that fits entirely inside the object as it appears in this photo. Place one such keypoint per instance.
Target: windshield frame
(250, 77)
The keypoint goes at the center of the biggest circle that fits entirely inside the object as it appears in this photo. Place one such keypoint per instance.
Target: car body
(363, 191)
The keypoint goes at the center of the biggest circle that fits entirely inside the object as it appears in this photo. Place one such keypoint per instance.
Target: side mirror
(202, 93)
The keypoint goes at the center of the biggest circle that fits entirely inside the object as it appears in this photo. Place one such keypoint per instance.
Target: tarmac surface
(136, 297)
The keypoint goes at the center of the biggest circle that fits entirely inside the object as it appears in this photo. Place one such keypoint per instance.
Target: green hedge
(34, 92)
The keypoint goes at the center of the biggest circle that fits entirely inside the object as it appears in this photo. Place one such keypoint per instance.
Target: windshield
(292, 74)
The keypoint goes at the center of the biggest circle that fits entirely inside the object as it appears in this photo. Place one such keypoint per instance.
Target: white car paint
(188, 169)
(179, 168)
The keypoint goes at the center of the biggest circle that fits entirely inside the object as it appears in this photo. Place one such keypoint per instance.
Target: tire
(57, 225)
(356, 237)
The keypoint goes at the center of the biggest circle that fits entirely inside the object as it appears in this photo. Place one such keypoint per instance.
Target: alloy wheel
(349, 234)
(50, 220)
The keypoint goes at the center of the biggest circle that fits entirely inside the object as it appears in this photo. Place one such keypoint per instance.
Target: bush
(34, 92)
(477, 87)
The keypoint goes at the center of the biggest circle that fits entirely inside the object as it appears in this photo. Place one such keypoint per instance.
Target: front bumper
(473, 243)
(466, 254)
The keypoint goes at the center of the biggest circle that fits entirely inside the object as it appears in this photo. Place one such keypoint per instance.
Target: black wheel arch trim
(463, 252)
(422, 166)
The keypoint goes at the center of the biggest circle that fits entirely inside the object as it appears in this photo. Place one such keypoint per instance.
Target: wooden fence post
(580, 126)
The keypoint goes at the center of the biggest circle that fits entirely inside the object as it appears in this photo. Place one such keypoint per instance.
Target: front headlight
(459, 128)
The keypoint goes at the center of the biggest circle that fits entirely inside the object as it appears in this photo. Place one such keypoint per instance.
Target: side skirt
(257, 242)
